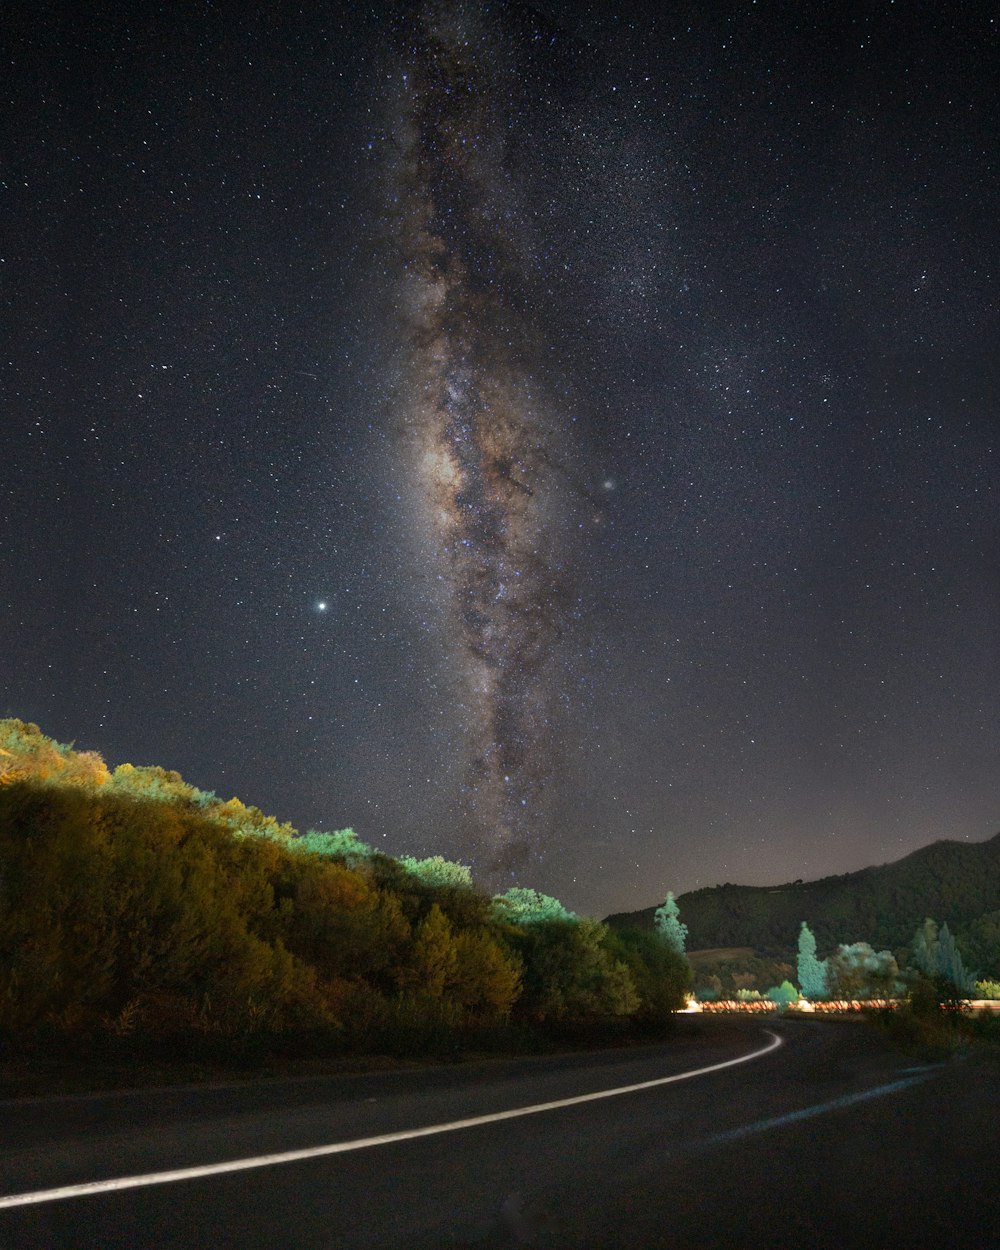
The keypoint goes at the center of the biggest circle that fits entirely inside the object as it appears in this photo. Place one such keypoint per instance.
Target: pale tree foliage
(783, 994)
(668, 924)
(341, 844)
(858, 971)
(524, 906)
(439, 872)
(812, 971)
(934, 952)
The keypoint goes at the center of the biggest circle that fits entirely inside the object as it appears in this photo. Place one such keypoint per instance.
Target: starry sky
(559, 437)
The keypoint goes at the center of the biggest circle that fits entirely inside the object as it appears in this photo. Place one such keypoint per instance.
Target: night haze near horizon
(697, 340)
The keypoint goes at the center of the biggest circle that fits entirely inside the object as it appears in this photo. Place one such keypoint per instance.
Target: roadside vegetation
(141, 916)
(138, 910)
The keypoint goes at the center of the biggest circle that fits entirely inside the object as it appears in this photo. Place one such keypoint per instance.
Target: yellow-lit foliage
(248, 821)
(135, 902)
(433, 957)
(27, 754)
(487, 976)
(108, 899)
(335, 918)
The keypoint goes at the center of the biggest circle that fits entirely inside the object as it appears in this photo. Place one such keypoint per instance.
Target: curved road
(829, 1140)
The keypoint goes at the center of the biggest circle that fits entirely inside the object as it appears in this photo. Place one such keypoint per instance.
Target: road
(832, 1140)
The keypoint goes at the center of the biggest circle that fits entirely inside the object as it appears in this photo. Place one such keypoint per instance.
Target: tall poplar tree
(812, 971)
(668, 924)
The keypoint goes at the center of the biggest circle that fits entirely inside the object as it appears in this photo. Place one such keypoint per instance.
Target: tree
(341, 844)
(857, 971)
(950, 965)
(979, 943)
(812, 971)
(524, 906)
(924, 953)
(936, 955)
(571, 972)
(785, 993)
(486, 980)
(433, 956)
(668, 924)
(661, 974)
(439, 872)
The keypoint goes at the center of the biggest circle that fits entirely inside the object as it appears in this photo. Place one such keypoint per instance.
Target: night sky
(561, 438)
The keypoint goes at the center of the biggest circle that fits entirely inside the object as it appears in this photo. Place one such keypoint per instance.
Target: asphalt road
(832, 1140)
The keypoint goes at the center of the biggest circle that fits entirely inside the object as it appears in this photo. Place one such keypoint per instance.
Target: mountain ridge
(954, 882)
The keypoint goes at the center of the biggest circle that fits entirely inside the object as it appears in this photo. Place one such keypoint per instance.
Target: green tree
(660, 974)
(522, 906)
(572, 972)
(924, 949)
(979, 943)
(668, 924)
(812, 971)
(439, 872)
(341, 844)
(784, 994)
(950, 964)
(433, 957)
(858, 971)
(935, 953)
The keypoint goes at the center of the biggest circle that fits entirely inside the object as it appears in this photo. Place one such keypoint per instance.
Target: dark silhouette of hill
(957, 882)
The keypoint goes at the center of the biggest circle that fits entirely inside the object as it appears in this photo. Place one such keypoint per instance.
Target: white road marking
(808, 1113)
(362, 1143)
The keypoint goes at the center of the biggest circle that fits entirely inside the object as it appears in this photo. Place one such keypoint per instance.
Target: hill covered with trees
(956, 882)
(137, 906)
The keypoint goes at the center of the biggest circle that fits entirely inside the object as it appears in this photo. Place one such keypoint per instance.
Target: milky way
(482, 440)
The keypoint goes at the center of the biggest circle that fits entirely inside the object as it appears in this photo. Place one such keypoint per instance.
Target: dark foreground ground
(832, 1141)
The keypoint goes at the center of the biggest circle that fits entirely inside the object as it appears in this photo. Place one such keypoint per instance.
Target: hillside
(957, 882)
(137, 908)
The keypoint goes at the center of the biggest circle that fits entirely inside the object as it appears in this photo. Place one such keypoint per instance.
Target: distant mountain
(954, 882)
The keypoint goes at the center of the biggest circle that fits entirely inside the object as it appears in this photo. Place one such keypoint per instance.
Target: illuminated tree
(936, 955)
(433, 957)
(812, 971)
(858, 971)
(439, 872)
(341, 844)
(523, 906)
(25, 752)
(668, 924)
(785, 993)
(486, 979)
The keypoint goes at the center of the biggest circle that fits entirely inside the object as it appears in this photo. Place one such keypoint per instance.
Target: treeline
(134, 904)
(958, 882)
